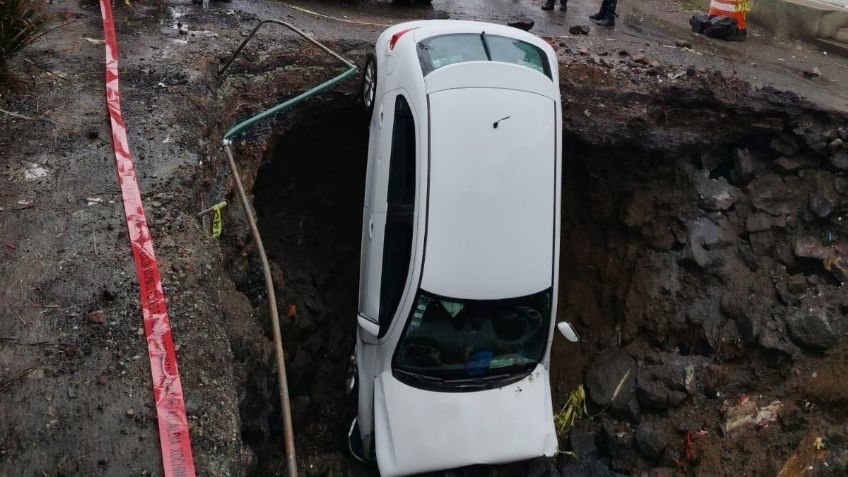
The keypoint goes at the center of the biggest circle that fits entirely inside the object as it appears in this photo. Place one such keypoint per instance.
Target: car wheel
(369, 84)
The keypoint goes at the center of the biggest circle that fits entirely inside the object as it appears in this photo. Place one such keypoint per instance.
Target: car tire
(369, 84)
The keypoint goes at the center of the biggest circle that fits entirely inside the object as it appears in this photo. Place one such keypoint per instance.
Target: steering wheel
(424, 350)
(528, 319)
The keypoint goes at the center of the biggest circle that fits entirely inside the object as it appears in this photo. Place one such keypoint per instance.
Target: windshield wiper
(479, 379)
(422, 377)
(475, 382)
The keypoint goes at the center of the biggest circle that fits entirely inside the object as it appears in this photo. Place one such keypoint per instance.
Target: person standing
(549, 5)
(605, 17)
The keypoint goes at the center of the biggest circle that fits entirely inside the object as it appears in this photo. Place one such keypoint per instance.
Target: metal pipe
(290, 27)
(351, 69)
(288, 431)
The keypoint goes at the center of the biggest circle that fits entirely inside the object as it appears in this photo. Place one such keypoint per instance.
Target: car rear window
(438, 51)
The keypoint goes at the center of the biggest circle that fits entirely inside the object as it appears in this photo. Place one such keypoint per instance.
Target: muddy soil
(308, 198)
(704, 242)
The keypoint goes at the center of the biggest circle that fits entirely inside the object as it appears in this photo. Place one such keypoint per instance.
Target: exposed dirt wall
(682, 208)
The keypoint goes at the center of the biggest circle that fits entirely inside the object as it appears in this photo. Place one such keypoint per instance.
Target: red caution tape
(167, 391)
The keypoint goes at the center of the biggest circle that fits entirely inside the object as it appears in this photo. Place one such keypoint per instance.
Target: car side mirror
(368, 330)
(567, 331)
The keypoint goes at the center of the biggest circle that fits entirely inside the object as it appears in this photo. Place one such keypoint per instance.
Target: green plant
(21, 23)
(574, 409)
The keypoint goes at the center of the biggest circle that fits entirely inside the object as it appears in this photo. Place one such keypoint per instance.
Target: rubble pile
(711, 281)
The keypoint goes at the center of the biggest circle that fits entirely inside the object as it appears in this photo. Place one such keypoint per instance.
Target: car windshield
(472, 342)
(438, 51)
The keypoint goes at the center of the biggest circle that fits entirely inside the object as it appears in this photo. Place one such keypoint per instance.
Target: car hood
(421, 431)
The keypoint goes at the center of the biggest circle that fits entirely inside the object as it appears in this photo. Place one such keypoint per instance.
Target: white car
(460, 248)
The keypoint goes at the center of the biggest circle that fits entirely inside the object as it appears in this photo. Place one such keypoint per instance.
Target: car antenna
(495, 124)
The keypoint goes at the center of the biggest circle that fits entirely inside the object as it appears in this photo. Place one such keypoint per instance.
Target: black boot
(563, 5)
(608, 19)
(549, 5)
(602, 13)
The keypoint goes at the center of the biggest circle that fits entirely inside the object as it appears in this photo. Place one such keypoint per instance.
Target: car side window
(397, 242)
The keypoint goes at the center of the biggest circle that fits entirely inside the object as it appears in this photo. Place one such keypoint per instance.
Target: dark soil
(308, 197)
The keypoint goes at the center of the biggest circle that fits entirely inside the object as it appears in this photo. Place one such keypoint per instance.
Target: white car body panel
(396, 414)
(421, 431)
(491, 218)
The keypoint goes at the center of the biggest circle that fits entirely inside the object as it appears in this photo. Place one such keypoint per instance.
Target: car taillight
(397, 36)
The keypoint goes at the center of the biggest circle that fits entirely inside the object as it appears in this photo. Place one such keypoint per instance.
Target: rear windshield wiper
(486, 46)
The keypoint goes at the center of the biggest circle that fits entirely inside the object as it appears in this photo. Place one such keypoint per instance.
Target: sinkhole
(662, 251)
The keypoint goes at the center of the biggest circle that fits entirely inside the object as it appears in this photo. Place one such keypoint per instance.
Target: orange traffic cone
(737, 9)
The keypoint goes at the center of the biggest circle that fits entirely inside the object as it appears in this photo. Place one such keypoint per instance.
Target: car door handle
(370, 227)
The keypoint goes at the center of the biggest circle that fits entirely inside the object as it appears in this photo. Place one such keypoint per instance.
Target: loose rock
(840, 160)
(812, 328)
(714, 194)
(758, 222)
(651, 441)
(811, 247)
(653, 393)
(582, 442)
(795, 163)
(814, 73)
(775, 195)
(797, 284)
(97, 317)
(613, 371)
(784, 144)
(522, 23)
(579, 30)
(619, 441)
(822, 203)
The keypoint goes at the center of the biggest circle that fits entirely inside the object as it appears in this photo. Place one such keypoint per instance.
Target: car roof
(492, 174)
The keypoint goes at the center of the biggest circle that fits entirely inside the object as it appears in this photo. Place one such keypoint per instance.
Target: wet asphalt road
(649, 27)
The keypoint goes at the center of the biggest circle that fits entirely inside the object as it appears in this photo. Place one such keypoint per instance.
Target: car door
(373, 213)
(387, 241)
(388, 216)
